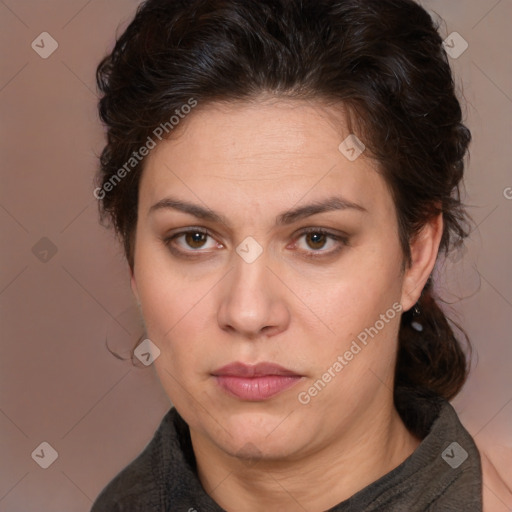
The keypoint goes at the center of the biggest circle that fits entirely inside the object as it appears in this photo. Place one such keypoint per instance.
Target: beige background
(59, 384)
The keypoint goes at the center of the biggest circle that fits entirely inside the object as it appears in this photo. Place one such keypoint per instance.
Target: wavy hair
(383, 60)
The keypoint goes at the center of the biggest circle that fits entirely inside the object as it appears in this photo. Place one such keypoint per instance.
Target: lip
(253, 370)
(255, 382)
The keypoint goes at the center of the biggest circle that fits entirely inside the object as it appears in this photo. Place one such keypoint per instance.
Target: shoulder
(444, 472)
(133, 485)
(138, 486)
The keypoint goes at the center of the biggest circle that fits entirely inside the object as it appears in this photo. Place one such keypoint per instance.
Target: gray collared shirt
(443, 474)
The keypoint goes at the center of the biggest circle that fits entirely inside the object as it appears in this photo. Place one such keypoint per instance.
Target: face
(259, 241)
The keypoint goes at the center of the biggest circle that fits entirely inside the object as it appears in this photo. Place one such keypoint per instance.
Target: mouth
(255, 382)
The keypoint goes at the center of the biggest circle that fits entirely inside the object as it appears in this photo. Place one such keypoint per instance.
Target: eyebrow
(288, 217)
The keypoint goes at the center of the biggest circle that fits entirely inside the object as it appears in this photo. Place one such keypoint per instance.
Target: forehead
(271, 151)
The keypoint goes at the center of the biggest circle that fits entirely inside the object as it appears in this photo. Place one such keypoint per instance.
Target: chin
(258, 439)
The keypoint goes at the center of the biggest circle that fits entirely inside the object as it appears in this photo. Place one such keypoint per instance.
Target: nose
(253, 301)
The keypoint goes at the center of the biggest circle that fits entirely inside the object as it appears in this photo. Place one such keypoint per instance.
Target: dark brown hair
(383, 60)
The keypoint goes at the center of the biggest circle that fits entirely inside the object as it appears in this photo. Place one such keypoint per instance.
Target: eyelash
(342, 240)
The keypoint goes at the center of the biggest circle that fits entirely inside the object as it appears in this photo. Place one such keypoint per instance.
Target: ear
(424, 248)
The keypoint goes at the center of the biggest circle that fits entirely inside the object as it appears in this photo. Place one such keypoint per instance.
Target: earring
(416, 312)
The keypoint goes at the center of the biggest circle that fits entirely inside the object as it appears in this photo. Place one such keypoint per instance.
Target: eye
(318, 240)
(312, 242)
(191, 240)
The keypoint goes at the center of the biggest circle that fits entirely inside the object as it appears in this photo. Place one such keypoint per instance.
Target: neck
(317, 481)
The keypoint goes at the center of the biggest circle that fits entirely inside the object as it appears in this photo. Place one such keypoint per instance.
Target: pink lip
(255, 382)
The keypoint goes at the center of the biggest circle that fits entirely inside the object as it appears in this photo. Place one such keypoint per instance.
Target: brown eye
(316, 240)
(317, 243)
(191, 241)
(195, 240)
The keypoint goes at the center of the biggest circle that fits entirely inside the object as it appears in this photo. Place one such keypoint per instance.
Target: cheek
(167, 292)
(361, 288)
(178, 314)
(360, 304)
(166, 304)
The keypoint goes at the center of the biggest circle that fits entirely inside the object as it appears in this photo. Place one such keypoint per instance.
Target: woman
(283, 175)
